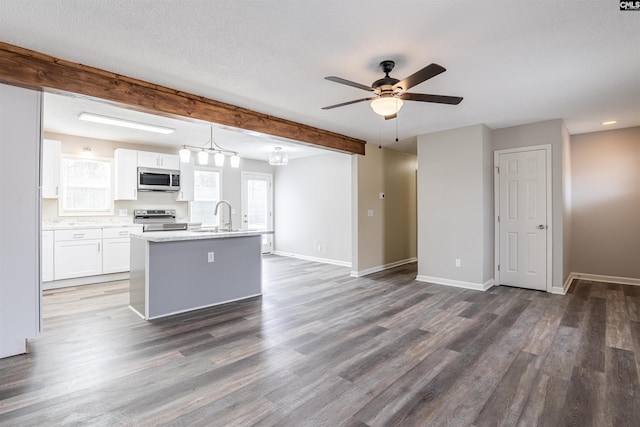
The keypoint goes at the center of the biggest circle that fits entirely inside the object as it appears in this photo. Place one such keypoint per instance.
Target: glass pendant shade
(387, 105)
(278, 158)
(235, 161)
(185, 155)
(219, 159)
(203, 157)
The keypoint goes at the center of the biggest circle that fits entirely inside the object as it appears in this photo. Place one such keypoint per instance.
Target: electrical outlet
(123, 212)
(458, 262)
(210, 257)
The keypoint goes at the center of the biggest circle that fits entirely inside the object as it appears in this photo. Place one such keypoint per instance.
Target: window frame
(220, 183)
(86, 212)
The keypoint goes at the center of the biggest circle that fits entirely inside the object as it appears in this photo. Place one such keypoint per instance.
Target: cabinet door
(115, 255)
(51, 151)
(169, 161)
(46, 271)
(126, 174)
(186, 181)
(77, 259)
(147, 159)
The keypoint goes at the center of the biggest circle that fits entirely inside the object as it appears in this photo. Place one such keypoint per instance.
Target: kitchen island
(177, 271)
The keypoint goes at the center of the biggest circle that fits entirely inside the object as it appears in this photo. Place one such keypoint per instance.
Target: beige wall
(548, 132)
(455, 207)
(606, 203)
(389, 236)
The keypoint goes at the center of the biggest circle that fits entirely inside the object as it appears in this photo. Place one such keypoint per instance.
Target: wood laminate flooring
(321, 348)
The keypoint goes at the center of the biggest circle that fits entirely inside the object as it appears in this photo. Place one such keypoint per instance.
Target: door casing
(496, 198)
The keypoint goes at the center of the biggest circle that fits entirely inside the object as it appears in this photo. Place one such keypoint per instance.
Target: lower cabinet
(77, 253)
(46, 258)
(85, 252)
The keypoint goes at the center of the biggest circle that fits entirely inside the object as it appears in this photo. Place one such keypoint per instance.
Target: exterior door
(257, 202)
(522, 218)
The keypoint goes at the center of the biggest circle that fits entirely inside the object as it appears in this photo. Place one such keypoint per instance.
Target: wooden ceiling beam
(27, 68)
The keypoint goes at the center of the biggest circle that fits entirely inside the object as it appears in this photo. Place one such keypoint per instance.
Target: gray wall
(548, 132)
(455, 205)
(313, 208)
(606, 203)
(20, 133)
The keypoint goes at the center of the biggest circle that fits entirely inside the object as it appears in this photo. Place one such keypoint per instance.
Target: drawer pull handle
(76, 235)
(124, 233)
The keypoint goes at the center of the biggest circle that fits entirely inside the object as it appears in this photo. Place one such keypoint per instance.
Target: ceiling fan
(389, 93)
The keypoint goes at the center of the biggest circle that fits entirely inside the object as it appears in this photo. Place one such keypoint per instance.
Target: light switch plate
(370, 213)
(123, 212)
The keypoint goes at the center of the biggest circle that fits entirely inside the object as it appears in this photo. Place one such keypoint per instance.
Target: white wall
(20, 130)
(313, 208)
(455, 196)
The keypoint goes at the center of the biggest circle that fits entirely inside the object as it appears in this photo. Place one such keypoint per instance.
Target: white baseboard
(456, 283)
(89, 280)
(606, 279)
(379, 268)
(314, 259)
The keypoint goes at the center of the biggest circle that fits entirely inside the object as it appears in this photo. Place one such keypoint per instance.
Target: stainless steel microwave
(152, 179)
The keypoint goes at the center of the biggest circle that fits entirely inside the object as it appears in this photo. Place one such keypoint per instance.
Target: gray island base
(177, 271)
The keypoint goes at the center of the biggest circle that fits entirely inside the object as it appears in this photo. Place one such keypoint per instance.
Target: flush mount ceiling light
(95, 118)
(219, 154)
(278, 158)
(610, 122)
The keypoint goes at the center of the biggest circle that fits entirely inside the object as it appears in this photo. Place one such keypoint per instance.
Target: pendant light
(220, 154)
(278, 158)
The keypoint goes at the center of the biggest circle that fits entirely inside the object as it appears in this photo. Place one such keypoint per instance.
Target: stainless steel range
(158, 220)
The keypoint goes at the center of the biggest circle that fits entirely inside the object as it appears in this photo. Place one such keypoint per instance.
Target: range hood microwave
(152, 179)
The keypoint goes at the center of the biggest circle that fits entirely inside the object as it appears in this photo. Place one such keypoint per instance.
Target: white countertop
(173, 236)
(67, 224)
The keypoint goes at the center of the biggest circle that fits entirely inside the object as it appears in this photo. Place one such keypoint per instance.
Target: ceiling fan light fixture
(278, 158)
(386, 105)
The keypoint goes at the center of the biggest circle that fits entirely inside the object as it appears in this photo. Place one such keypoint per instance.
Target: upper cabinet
(126, 174)
(51, 151)
(147, 159)
(186, 181)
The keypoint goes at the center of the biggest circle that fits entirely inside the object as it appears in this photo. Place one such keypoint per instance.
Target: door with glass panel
(257, 205)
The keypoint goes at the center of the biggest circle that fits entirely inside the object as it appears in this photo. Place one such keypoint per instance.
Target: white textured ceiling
(514, 62)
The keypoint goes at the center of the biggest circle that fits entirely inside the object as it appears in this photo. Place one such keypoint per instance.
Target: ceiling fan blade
(418, 77)
(349, 83)
(348, 103)
(392, 116)
(440, 99)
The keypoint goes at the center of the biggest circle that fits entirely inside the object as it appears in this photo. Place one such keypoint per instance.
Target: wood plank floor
(323, 349)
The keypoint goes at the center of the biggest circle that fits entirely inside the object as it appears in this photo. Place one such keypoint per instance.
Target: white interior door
(522, 219)
(257, 203)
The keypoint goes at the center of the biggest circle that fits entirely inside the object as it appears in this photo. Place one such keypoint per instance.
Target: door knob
(541, 227)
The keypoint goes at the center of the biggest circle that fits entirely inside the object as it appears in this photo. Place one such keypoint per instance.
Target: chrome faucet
(215, 212)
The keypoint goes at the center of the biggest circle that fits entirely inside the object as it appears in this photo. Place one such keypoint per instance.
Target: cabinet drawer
(77, 234)
(116, 232)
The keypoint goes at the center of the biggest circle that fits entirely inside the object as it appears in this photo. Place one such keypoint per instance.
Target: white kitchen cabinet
(186, 181)
(51, 151)
(126, 174)
(77, 253)
(148, 159)
(47, 256)
(115, 252)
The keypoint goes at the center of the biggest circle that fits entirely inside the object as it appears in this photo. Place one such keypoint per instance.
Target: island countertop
(178, 235)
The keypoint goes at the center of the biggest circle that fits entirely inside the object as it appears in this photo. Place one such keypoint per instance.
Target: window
(86, 186)
(206, 193)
